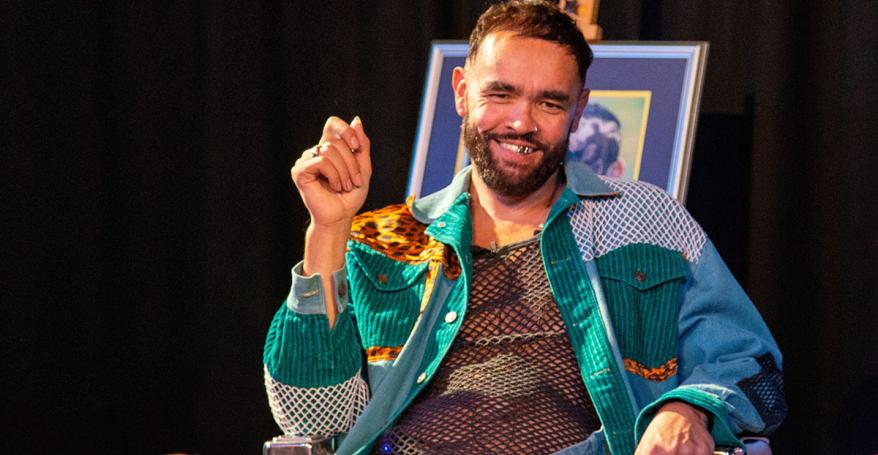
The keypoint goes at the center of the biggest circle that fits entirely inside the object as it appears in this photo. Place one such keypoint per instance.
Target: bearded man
(529, 307)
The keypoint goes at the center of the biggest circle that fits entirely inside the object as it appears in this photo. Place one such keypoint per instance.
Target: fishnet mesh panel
(316, 411)
(642, 214)
(766, 391)
(510, 382)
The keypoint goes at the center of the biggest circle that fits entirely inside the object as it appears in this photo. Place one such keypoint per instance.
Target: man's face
(518, 98)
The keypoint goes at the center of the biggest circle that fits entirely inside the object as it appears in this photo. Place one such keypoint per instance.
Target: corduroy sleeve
(313, 373)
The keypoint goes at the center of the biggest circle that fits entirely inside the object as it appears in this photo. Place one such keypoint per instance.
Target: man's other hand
(333, 177)
(677, 428)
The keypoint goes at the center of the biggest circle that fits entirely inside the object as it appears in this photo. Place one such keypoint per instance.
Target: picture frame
(643, 106)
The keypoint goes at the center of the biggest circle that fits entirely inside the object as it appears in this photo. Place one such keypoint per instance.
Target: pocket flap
(384, 273)
(642, 266)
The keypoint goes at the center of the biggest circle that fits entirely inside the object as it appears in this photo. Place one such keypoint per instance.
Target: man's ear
(458, 84)
(580, 106)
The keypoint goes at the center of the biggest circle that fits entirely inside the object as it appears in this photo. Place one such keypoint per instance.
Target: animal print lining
(394, 232)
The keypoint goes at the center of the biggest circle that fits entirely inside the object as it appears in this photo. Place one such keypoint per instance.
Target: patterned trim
(642, 214)
(395, 233)
(657, 374)
(316, 411)
(379, 353)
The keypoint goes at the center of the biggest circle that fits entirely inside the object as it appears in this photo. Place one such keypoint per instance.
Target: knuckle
(334, 125)
(326, 147)
(349, 133)
(338, 142)
(339, 145)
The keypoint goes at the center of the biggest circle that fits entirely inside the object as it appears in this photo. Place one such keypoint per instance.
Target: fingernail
(355, 144)
(358, 180)
(347, 185)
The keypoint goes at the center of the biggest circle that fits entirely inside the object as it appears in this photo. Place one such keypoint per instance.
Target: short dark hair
(533, 19)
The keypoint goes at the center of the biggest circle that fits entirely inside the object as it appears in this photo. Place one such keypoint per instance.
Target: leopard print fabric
(394, 232)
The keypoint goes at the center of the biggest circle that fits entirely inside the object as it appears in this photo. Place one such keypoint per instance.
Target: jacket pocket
(642, 284)
(386, 295)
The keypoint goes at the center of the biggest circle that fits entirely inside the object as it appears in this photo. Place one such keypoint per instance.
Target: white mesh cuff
(642, 214)
(316, 411)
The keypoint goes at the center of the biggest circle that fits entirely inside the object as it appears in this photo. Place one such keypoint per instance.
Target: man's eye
(499, 96)
(552, 107)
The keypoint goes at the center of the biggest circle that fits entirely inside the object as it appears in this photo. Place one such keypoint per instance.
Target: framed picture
(639, 122)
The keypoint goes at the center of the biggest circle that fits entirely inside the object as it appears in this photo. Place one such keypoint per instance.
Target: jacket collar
(580, 180)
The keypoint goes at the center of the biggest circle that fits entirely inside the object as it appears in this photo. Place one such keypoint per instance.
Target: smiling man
(529, 307)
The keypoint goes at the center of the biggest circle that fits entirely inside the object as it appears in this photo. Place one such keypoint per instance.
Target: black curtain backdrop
(149, 224)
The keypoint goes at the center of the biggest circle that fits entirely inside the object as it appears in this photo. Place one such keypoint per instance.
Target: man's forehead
(518, 54)
(496, 46)
(489, 42)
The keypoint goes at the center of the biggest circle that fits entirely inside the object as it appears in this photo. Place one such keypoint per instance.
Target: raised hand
(333, 177)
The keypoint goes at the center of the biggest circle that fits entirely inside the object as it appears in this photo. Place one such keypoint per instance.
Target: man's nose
(522, 120)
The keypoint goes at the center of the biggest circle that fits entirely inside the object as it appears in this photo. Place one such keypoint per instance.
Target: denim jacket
(652, 313)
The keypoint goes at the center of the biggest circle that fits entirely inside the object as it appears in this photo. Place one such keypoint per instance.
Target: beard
(522, 180)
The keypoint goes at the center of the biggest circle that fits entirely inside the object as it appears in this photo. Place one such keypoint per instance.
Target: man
(526, 308)
(596, 141)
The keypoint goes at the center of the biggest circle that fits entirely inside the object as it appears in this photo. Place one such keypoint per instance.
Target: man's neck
(500, 220)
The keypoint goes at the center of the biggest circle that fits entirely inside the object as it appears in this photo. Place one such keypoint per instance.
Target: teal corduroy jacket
(652, 312)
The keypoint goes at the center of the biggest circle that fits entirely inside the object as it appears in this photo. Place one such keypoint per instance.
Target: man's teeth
(520, 149)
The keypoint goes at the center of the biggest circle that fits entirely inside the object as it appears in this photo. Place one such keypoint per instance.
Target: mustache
(529, 138)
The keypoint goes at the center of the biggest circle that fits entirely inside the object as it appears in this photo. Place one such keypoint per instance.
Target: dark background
(148, 221)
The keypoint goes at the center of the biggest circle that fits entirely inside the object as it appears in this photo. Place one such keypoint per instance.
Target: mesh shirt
(510, 382)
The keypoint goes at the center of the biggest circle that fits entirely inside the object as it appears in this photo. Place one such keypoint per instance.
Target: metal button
(450, 317)
(310, 293)
(422, 377)
(342, 290)
(640, 276)
(441, 224)
(382, 278)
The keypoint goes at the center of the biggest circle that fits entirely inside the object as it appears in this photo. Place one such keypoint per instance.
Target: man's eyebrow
(556, 95)
(499, 86)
